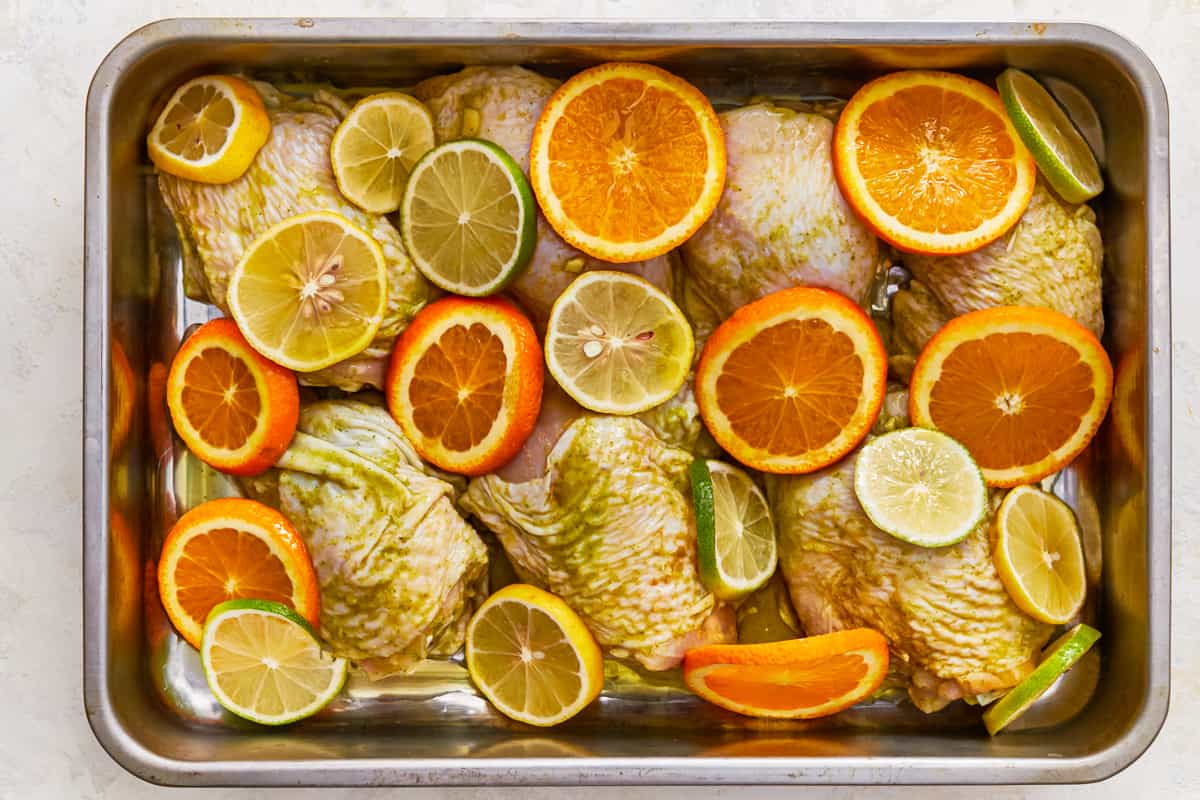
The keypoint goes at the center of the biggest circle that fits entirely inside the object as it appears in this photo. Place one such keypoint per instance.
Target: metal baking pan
(143, 692)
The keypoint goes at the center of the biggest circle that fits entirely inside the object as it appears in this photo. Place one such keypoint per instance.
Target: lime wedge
(735, 536)
(264, 663)
(920, 486)
(468, 217)
(1056, 660)
(376, 146)
(1059, 148)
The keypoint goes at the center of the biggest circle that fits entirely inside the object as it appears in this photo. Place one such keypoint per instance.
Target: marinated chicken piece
(291, 175)
(502, 105)
(951, 627)
(1051, 258)
(781, 222)
(400, 570)
(597, 510)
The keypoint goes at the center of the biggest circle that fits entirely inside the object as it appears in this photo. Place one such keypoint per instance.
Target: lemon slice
(920, 486)
(264, 663)
(1059, 657)
(1062, 154)
(310, 292)
(1038, 555)
(210, 130)
(617, 344)
(735, 536)
(376, 146)
(532, 656)
(468, 217)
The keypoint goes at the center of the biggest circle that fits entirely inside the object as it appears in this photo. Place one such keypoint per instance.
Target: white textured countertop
(48, 51)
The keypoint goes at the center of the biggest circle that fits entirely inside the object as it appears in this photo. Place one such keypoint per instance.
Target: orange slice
(233, 408)
(231, 549)
(796, 679)
(465, 383)
(792, 382)
(1023, 389)
(121, 394)
(931, 161)
(627, 161)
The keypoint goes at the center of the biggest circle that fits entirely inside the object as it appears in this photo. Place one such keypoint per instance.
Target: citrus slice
(465, 383)
(1057, 658)
(920, 486)
(376, 146)
(735, 537)
(122, 392)
(1061, 152)
(792, 382)
(232, 407)
(230, 549)
(264, 663)
(1039, 556)
(310, 291)
(210, 130)
(627, 161)
(1081, 112)
(468, 218)
(931, 161)
(797, 679)
(1023, 389)
(617, 344)
(532, 657)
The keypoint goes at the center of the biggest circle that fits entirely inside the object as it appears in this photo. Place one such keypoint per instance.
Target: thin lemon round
(1039, 556)
(532, 657)
(735, 536)
(1059, 657)
(617, 344)
(920, 486)
(310, 292)
(468, 217)
(210, 130)
(264, 663)
(376, 147)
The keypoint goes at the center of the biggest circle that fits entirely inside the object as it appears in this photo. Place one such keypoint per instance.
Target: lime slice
(310, 292)
(1081, 111)
(264, 663)
(468, 217)
(376, 146)
(920, 486)
(735, 536)
(617, 344)
(1056, 660)
(1039, 556)
(1059, 148)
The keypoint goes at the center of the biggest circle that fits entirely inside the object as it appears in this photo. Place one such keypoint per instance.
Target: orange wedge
(931, 161)
(792, 382)
(465, 383)
(232, 549)
(627, 161)
(795, 679)
(1023, 389)
(235, 409)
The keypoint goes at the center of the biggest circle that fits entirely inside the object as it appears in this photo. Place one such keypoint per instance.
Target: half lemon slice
(1039, 556)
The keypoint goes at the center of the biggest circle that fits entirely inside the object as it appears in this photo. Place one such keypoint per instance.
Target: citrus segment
(310, 291)
(735, 537)
(1057, 658)
(931, 161)
(792, 382)
(233, 408)
(532, 656)
(465, 383)
(229, 549)
(627, 161)
(374, 149)
(210, 130)
(1039, 556)
(796, 679)
(617, 344)
(1023, 389)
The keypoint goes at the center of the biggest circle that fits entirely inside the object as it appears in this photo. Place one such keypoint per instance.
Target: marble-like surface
(48, 51)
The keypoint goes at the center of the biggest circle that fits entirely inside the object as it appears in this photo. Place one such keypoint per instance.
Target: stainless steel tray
(143, 694)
